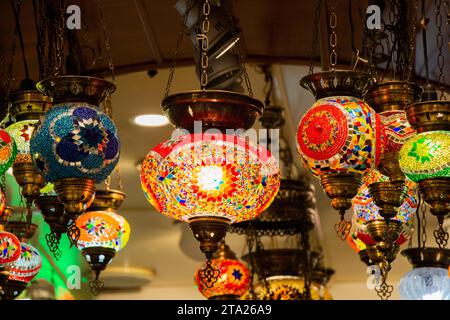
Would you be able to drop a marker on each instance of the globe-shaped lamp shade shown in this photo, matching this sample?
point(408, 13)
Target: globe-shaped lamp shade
point(21, 132)
point(234, 279)
point(366, 210)
point(339, 134)
point(102, 229)
point(75, 141)
point(9, 248)
point(210, 175)
point(396, 129)
point(426, 156)
point(8, 151)
point(27, 266)
point(427, 283)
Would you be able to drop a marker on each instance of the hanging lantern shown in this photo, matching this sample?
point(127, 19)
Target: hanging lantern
point(339, 136)
point(22, 271)
point(428, 280)
point(76, 145)
point(389, 100)
point(233, 281)
point(209, 181)
point(423, 158)
point(9, 253)
point(103, 233)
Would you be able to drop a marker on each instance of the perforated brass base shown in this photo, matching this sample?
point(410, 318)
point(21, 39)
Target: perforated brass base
point(381, 253)
point(75, 194)
point(98, 257)
point(209, 231)
point(107, 200)
point(28, 105)
point(12, 289)
point(429, 115)
point(29, 179)
point(379, 231)
point(22, 229)
point(428, 257)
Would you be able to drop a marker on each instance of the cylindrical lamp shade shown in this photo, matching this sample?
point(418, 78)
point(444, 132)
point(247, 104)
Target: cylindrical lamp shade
point(21, 132)
point(426, 283)
point(27, 266)
point(339, 134)
point(234, 279)
point(102, 229)
point(220, 175)
point(9, 248)
point(75, 140)
point(8, 151)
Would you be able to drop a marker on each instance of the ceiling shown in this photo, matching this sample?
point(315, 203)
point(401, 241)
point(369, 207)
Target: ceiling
point(143, 36)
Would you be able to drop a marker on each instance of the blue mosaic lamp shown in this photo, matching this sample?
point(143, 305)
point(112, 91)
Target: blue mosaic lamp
point(75, 145)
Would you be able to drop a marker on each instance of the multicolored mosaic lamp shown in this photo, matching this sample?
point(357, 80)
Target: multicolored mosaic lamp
point(9, 253)
point(210, 180)
point(234, 278)
point(22, 271)
point(8, 151)
point(76, 145)
point(27, 107)
point(339, 136)
point(103, 233)
point(424, 158)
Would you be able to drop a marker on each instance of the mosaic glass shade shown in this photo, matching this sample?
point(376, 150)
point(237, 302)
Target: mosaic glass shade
point(27, 266)
point(9, 248)
point(426, 156)
point(21, 133)
point(365, 209)
point(290, 288)
point(75, 141)
point(355, 243)
point(8, 151)
point(2, 203)
point(425, 283)
point(339, 134)
point(396, 129)
point(210, 175)
point(49, 189)
point(103, 229)
point(233, 280)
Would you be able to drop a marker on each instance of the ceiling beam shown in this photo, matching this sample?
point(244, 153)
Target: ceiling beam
point(148, 30)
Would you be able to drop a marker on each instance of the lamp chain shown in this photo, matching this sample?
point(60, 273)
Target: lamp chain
point(250, 242)
point(306, 264)
point(423, 231)
point(107, 39)
point(315, 36)
point(41, 25)
point(333, 37)
point(10, 77)
point(203, 37)
point(60, 39)
point(440, 43)
point(177, 49)
point(412, 40)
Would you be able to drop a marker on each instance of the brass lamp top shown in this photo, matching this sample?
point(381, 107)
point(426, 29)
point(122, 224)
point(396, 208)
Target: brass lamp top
point(428, 257)
point(107, 200)
point(28, 105)
point(73, 88)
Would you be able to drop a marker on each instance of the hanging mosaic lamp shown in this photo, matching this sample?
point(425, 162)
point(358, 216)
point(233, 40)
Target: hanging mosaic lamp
point(389, 100)
point(234, 278)
point(22, 271)
point(428, 280)
point(424, 158)
point(76, 145)
point(339, 136)
point(103, 233)
point(210, 181)
point(9, 253)
point(27, 107)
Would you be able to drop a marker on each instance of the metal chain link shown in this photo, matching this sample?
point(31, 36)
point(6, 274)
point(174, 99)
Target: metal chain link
point(203, 37)
point(423, 208)
point(107, 39)
point(10, 77)
point(177, 49)
point(315, 36)
point(333, 36)
point(440, 44)
point(60, 39)
point(412, 40)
